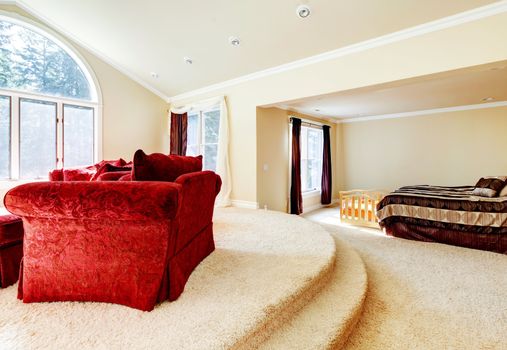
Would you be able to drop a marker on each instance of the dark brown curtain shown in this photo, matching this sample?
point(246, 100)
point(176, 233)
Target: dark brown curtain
point(296, 200)
point(326, 184)
point(179, 134)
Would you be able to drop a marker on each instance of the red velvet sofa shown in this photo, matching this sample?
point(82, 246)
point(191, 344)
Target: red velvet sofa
point(133, 243)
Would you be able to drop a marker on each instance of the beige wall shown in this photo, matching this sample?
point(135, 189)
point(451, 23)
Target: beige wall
point(132, 116)
point(465, 45)
point(453, 149)
point(273, 151)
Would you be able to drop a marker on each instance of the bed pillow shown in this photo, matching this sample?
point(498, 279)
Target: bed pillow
point(159, 167)
point(503, 192)
point(489, 186)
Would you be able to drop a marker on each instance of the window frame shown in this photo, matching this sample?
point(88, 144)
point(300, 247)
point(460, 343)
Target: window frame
point(319, 188)
point(201, 129)
point(15, 95)
point(15, 126)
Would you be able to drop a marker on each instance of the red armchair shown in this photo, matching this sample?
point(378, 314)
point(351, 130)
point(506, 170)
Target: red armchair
point(133, 243)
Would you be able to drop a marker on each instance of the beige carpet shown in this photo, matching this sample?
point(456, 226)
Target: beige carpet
point(327, 321)
point(424, 295)
point(264, 261)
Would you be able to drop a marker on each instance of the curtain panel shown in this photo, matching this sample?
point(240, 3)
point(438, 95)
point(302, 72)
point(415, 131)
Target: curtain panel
point(326, 184)
point(178, 134)
point(223, 166)
point(296, 198)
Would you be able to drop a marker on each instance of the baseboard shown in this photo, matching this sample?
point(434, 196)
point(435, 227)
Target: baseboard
point(319, 206)
point(244, 204)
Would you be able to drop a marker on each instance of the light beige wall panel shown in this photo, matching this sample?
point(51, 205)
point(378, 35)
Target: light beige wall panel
point(272, 152)
point(448, 149)
point(132, 116)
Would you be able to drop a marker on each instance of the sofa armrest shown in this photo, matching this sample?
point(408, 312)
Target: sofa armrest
point(95, 200)
point(199, 191)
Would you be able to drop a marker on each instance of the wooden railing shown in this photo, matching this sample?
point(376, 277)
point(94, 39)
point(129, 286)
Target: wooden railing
point(359, 207)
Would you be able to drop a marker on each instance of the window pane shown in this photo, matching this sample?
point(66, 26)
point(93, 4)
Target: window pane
point(311, 158)
point(211, 125)
point(210, 157)
point(37, 138)
point(77, 136)
point(193, 150)
point(192, 131)
point(32, 62)
point(5, 136)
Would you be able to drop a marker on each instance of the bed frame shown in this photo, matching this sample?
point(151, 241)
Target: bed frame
point(359, 207)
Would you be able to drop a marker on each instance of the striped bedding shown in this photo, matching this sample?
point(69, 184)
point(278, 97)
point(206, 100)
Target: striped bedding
point(447, 215)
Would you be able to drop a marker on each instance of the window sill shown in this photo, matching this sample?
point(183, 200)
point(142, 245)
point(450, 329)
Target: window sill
point(312, 193)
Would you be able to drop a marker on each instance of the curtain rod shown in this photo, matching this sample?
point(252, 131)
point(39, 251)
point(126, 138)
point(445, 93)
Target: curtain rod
point(307, 122)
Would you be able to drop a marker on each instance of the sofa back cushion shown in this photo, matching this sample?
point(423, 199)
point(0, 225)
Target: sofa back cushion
point(109, 168)
point(78, 174)
point(159, 167)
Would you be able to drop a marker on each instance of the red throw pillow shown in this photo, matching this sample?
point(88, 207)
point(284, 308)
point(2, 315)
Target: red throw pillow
point(159, 167)
point(82, 174)
point(117, 162)
point(109, 168)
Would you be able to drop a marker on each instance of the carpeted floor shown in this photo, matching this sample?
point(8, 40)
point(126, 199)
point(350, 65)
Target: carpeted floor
point(264, 262)
point(424, 295)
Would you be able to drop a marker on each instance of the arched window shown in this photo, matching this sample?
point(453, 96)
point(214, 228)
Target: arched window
point(48, 104)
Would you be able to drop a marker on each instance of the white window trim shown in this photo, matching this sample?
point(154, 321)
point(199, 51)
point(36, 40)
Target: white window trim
point(16, 97)
point(201, 128)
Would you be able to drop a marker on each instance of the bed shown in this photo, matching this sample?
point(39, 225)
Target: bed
point(450, 215)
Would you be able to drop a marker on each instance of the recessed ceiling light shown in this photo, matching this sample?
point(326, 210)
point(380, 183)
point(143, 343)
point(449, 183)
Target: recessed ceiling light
point(234, 41)
point(187, 60)
point(488, 99)
point(154, 75)
point(303, 11)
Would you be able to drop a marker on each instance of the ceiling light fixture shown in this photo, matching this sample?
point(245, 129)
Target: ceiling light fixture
point(303, 11)
point(488, 99)
point(234, 41)
point(187, 60)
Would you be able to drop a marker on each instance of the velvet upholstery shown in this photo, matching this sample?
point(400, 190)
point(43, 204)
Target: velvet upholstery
point(160, 167)
point(126, 242)
point(87, 173)
point(83, 174)
point(11, 249)
point(114, 176)
point(109, 168)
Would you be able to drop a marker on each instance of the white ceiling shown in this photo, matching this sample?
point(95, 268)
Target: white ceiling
point(147, 36)
point(461, 87)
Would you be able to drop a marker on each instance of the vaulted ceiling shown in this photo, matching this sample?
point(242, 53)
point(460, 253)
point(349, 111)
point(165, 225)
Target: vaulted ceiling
point(153, 36)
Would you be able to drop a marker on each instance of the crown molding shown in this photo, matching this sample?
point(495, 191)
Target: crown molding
point(52, 25)
point(429, 27)
point(425, 112)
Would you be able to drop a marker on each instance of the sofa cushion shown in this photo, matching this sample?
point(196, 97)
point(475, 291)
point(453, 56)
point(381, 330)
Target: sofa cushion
point(113, 175)
point(80, 174)
point(159, 167)
point(116, 162)
point(109, 168)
